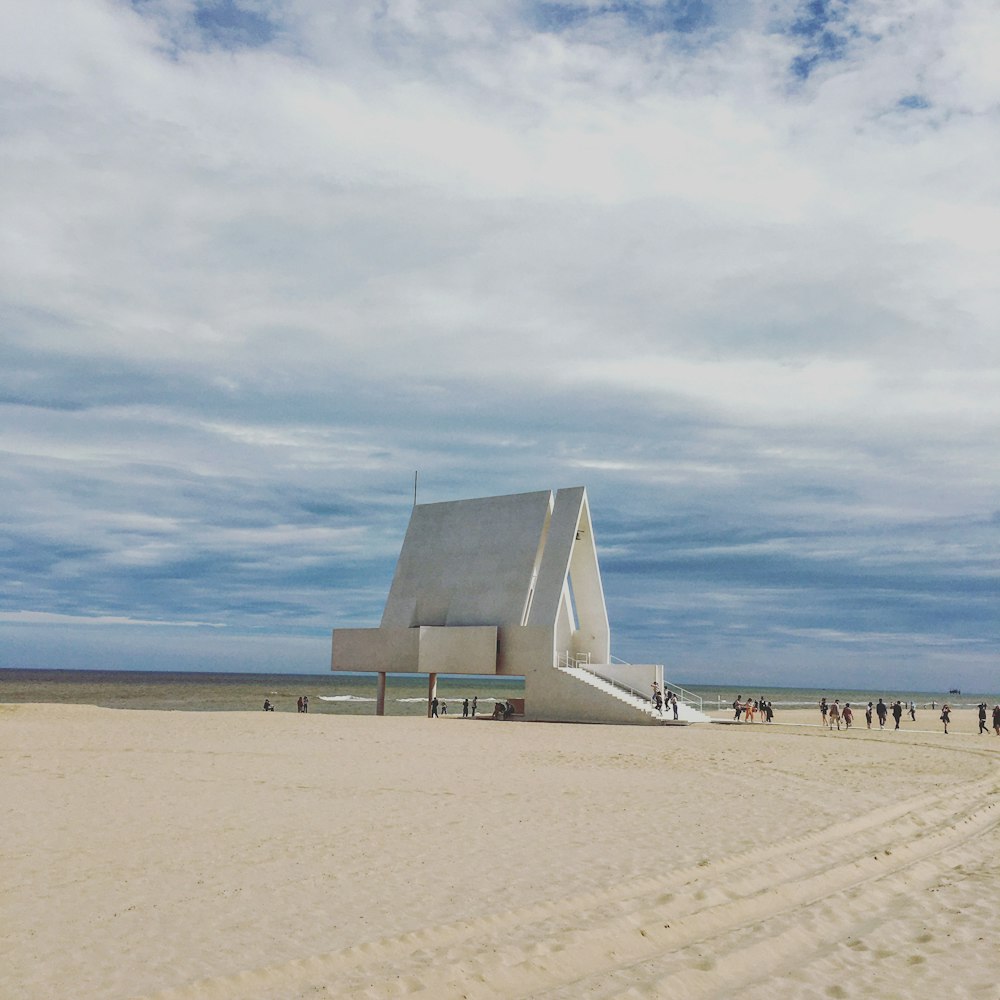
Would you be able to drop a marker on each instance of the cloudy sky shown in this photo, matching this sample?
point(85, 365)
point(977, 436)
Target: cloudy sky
point(730, 264)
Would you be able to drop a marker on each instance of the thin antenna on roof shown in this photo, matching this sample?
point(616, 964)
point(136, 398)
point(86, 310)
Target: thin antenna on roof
point(414, 489)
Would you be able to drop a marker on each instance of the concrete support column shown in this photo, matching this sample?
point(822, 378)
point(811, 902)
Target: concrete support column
point(380, 694)
point(432, 690)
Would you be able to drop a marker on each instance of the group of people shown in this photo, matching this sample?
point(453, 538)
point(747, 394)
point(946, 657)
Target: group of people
point(982, 719)
point(302, 705)
point(751, 709)
point(439, 708)
point(501, 710)
point(833, 715)
point(665, 699)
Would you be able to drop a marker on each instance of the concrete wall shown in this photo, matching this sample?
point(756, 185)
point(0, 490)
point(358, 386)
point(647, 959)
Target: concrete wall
point(552, 696)
point(416, 650)
point(392, 649)
point(638, 676)
point(468, 562)
point(593, 635)
point(471, 650)
point(527, 649)
point(569, 561)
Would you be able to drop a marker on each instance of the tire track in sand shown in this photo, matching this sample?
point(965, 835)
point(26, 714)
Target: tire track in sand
point(655, 932)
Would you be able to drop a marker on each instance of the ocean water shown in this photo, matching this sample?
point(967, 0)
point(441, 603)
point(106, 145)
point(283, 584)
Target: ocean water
point(331, 694)
point(347, 694)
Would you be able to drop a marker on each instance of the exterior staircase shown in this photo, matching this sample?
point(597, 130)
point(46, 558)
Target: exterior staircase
point(686, 713)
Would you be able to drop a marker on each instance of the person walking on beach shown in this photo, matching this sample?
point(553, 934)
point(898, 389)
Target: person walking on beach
point(945, 716)
point(913, 712)
point(434, 707)
point(737, 708)
point(848, 715)
point(868, 715)
point(897, 711)
point(465, 709)
point(881, 710)
point(823, 709)
point(475, 704)
point(305, 703)
point(835, 713)
point(996, 719)
point(298, 704)
point(982, 718)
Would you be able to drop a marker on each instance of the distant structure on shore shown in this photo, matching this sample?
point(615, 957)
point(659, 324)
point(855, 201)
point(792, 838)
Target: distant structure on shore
point(507, 585)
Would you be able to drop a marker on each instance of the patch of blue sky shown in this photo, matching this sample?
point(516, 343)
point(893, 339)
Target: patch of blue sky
point(821, 25)
point(671, 16)
point(913, 102)
point(233, 25)
point(815, 18)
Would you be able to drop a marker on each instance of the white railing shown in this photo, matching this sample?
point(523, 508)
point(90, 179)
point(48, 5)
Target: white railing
point(683, 695)
point(607, 680)
point(583, 661)
point(688, 697)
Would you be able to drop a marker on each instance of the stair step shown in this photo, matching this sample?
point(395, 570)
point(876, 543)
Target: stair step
point(635, 701)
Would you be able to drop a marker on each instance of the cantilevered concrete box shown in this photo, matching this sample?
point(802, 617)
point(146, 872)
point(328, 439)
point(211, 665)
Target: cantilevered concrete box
point(419, 650)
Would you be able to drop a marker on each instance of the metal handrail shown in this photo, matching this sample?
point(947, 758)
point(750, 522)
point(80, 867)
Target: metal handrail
point(688, 697)
point(567, 659)
point(607, 680)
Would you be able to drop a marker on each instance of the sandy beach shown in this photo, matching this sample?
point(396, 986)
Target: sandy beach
point(253, 855)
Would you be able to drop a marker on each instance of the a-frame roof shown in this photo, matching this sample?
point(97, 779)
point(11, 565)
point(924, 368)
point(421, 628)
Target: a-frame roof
point(514, 560)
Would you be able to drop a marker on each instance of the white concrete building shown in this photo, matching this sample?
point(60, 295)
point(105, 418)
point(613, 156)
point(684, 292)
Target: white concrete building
point(506, 585)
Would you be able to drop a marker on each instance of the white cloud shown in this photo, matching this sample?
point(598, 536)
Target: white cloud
point(46, 618)
point(377, 237)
